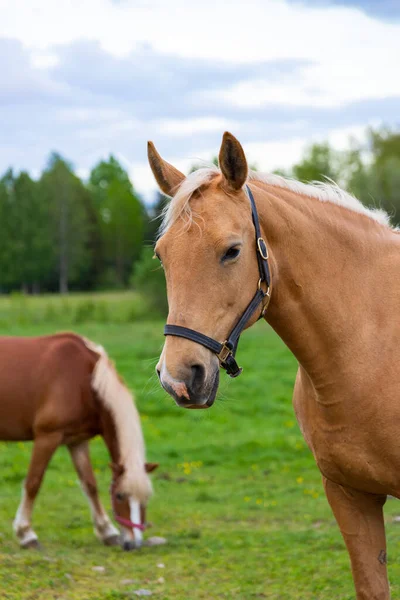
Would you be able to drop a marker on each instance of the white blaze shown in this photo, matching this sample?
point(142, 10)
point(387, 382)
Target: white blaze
point(136, 518)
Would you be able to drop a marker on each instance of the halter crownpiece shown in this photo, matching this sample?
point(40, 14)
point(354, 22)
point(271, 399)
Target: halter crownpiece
point(226, 351)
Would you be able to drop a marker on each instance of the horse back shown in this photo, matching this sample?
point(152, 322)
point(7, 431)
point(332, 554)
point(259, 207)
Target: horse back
point(45, 385)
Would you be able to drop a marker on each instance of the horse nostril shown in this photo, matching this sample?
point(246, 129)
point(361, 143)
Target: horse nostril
point(158, 371)
point(198, 376)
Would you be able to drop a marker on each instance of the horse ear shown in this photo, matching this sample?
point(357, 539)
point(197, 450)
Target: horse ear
point(232, 162)
point(167, 177)
point(150, 467)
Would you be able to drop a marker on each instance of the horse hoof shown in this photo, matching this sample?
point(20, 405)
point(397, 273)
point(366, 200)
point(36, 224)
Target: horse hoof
point(112, 540)
point(32, 544)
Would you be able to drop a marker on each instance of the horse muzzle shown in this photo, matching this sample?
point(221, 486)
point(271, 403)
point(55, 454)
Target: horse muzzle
point(129, 545)
point(193, 391)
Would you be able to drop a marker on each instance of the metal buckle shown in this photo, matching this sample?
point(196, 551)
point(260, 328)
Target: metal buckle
point(267, 292)
point(225, 352)
point(262, 248)
point(264, 310)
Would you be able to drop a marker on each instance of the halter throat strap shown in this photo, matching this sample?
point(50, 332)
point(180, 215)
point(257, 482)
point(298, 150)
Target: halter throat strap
point(226, 351)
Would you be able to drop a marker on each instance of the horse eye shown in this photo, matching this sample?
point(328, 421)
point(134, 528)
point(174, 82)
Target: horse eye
point(120, 497)
point(231, 253)
point(157, 257)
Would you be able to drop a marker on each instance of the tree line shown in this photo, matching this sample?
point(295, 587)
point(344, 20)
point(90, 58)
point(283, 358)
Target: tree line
point(370, 171)
point(59, 233)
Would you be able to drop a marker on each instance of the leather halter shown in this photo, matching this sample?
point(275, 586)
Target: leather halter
point(226, 351)
point(128, 523)
point(121, 520)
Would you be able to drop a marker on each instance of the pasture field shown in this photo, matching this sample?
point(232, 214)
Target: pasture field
point(237, 494)
point(72, 310)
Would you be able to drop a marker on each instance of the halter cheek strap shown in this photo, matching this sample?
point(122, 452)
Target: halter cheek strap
point(226, 351)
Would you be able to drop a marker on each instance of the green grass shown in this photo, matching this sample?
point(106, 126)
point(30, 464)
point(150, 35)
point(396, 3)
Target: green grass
point(237, 494)
point(71, 310)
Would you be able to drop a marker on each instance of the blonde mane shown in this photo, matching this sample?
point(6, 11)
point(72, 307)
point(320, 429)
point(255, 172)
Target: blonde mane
point(179, 206)
point(118, 400)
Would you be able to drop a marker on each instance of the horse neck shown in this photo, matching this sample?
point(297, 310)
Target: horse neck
point(110, 435)
point(124, 440)
point(323, 268)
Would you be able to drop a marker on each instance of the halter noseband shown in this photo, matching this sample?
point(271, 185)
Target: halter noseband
point(227, 350)
point(121, 520)
point(128, 523)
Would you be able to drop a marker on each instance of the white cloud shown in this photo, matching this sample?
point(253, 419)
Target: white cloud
point(342, 59)
point(355, 55)
point(42, 59)
point(318, 87)
point(184, 127)
point(255, 31)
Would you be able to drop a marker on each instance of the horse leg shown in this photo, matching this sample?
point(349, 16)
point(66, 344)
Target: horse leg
point(43, 449)
point(103, 528)
point(360, 519)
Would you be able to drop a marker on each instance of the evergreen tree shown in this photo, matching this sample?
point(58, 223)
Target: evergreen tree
point(121, 217)
point(25, 244)
point(66, 200)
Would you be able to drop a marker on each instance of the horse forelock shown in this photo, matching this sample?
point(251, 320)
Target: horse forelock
point(179, 206)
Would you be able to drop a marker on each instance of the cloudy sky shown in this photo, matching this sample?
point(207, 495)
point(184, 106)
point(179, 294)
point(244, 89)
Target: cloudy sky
point(90, 77)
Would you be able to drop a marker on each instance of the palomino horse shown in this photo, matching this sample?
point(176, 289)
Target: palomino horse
point(328, 283)
point(63, 389)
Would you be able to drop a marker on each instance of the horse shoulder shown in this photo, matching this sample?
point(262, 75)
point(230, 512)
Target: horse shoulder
point(66, 399)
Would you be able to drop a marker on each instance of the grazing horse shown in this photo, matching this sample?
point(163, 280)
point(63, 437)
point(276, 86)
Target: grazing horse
point(323, 270)
point(63, 389)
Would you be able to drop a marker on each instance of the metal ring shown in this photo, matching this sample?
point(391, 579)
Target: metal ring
point(268, 290)
point(264, 249)
point(267, 294)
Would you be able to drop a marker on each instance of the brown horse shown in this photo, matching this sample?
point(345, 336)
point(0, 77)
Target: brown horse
point(63, 389)
point(334, 299)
